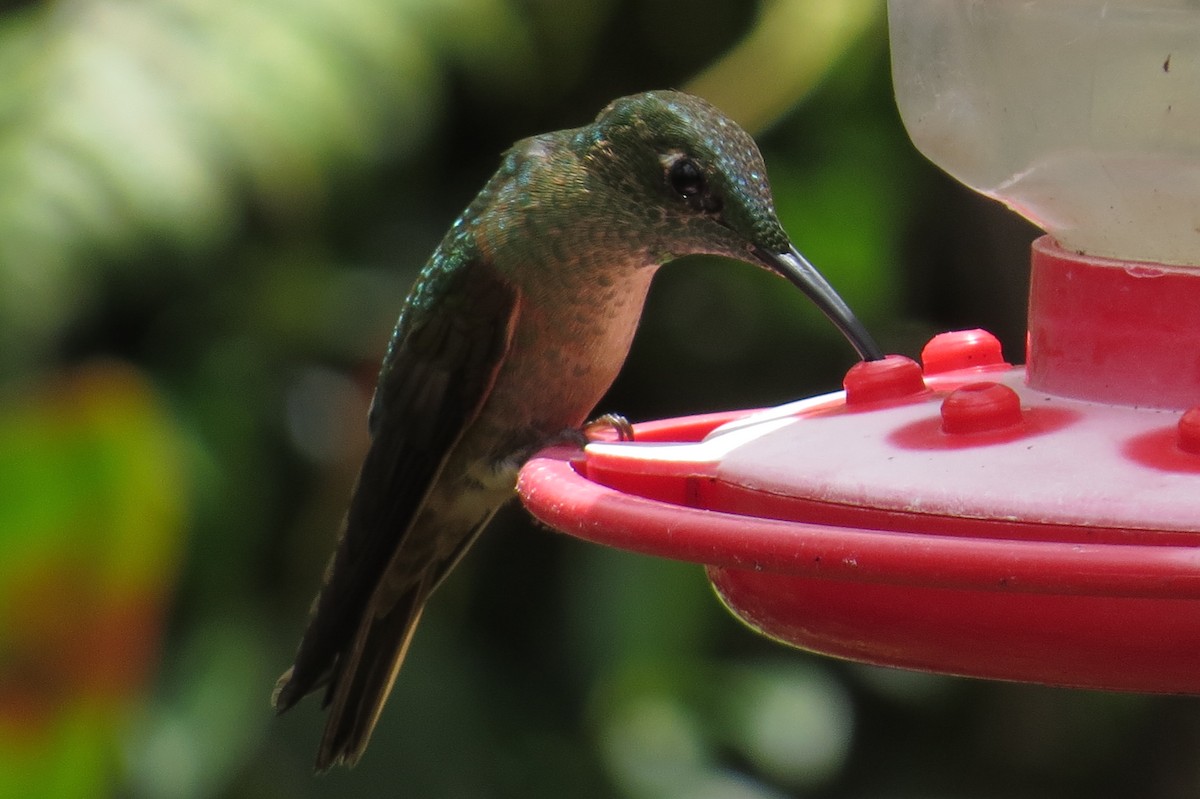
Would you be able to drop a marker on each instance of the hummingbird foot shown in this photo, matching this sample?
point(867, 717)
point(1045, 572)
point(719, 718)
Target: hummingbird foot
point(598, 429)
point(609, 427)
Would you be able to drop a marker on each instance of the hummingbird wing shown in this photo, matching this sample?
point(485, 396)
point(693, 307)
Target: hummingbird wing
point(449, 343)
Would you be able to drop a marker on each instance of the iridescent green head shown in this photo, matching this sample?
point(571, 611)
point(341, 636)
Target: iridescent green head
point(694, 182)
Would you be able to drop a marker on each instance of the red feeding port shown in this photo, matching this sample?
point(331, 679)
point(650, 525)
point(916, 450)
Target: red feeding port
point(1038, 524)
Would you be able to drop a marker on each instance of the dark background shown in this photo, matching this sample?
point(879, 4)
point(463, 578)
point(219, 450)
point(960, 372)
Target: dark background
point(209, 216)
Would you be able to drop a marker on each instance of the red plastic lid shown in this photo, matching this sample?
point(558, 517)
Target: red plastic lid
point(1113, 331)
point(969, 524)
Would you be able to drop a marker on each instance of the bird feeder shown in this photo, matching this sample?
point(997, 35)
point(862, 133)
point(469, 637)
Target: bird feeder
point(963, 515)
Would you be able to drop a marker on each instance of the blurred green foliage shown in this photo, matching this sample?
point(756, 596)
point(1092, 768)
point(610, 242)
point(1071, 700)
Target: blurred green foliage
point(210, 211)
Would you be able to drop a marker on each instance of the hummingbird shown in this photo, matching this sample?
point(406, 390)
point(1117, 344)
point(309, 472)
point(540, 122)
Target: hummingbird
point(513, 331)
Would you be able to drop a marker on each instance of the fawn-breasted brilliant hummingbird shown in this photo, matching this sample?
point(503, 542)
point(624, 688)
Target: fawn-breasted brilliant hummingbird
point(514, 330)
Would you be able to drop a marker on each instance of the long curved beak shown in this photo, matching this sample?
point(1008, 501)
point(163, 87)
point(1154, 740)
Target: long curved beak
point(796, 268)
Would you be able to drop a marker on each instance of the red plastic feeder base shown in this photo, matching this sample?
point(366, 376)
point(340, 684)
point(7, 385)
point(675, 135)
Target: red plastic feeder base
point(952, 518)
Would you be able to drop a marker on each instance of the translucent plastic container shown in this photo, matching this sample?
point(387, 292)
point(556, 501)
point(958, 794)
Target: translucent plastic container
point(1081, 115)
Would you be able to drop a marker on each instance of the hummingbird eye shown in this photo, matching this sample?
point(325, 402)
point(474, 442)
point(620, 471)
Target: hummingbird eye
point(686, 178)
point(688, 181)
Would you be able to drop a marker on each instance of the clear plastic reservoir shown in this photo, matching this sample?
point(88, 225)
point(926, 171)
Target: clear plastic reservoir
point(1081, 115)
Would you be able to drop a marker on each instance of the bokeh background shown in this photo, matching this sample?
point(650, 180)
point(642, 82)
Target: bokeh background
point(210, 212)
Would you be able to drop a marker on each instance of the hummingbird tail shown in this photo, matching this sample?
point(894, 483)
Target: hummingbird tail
point(363, 678)
point(285, 694)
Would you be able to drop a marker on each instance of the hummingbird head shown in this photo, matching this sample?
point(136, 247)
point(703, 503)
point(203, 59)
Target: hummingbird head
point(694, 182)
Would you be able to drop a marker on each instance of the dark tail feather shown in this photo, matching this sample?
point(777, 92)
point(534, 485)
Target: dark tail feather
point(329, 631)
point(287, 691)
point(363, 678)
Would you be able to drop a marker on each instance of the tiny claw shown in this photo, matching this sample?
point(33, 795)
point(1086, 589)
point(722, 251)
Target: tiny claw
point(595, 429)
